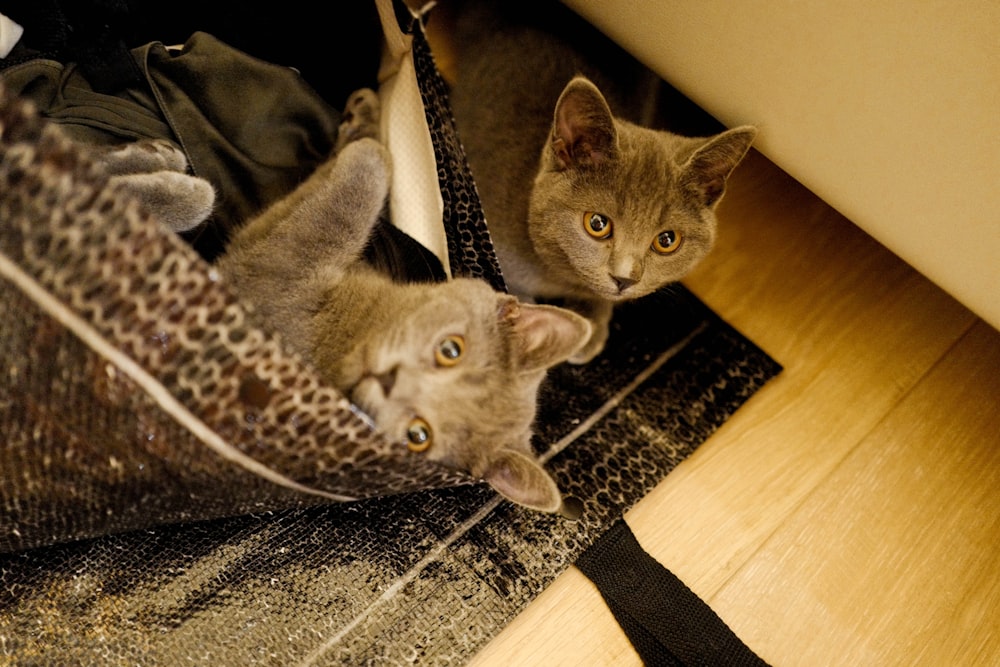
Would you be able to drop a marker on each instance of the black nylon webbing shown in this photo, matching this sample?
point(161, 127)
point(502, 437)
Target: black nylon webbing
point(665, 621)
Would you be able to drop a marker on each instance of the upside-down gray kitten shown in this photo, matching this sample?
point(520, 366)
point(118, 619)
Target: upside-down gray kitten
point(451, 369)
point(583, 206)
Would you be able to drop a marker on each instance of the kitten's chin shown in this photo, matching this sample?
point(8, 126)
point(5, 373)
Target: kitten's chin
point(369, 395)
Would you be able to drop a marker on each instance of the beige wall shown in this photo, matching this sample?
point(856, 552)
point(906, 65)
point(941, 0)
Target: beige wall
point(887, 109)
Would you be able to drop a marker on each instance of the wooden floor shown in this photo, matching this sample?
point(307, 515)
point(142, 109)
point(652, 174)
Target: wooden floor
point(849, 514)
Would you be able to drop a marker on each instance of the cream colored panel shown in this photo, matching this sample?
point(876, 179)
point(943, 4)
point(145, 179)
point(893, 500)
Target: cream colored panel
point(887, 109)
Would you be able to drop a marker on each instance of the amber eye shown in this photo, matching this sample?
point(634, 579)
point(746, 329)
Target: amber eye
point(667, 242)
point(449, 350)
point(418, 435)
point(597, 225)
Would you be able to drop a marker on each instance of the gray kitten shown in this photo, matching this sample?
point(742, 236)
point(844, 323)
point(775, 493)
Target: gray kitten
point(584, 206)
point(450, 370)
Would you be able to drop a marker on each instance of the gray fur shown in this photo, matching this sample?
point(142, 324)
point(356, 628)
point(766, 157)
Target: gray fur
point(299, 264)
point(546, 146)
point(155, 172)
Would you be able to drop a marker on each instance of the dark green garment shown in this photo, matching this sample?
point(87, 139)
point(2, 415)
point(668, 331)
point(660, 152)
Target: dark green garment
point(252, 128)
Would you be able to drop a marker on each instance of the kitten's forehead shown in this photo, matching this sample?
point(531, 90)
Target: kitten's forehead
point(461, 300)
point(649, 159)
point(649, 163)
point(461, 307)
point(645, 185)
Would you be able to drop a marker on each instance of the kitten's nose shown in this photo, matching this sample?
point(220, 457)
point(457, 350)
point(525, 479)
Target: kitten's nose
point(625, 270)
point(387, 380)
point(623, 283)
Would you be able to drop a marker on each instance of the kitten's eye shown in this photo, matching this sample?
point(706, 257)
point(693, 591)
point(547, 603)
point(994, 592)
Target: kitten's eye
point(597, 225)
point(449, 350)
point(667, 242)
point(419, 435)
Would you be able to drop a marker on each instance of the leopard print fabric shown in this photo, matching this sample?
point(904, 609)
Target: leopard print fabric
point(470, 249)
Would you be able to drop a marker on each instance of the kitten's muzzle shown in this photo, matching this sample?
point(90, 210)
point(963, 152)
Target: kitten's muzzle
point(623, 283)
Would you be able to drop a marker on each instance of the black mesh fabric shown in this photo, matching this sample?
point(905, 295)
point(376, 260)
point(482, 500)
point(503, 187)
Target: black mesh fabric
point(470, 249)
point(425, 578)
point(171, 475)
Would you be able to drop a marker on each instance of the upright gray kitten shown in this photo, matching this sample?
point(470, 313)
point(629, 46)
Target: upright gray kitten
point(583, 206)
point(450, 370)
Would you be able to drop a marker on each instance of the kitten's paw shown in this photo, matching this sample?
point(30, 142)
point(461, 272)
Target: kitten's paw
point(143, 156)
point(360, 119)
point(180, 202)
point(365, 157)
point(598, 339)
point(355, 187)
point(598, 312)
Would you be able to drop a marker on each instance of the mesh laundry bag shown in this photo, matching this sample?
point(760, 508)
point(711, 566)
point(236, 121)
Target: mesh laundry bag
point(141, 406)
point(136, 390)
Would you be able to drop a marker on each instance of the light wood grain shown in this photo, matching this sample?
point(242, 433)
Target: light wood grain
point(854, 327)
point(859, 333)
point(893, 559)
point(849, 513)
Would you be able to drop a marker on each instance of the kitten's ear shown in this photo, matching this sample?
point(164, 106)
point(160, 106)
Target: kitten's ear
point(583, 132)
point(542, 336)
point(707, 170)
point(523, 480)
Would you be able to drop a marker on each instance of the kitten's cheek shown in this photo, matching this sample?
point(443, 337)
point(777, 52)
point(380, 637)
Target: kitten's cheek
point(367, 395)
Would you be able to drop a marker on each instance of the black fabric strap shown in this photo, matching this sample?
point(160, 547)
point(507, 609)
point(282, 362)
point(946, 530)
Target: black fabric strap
point(665, 621)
